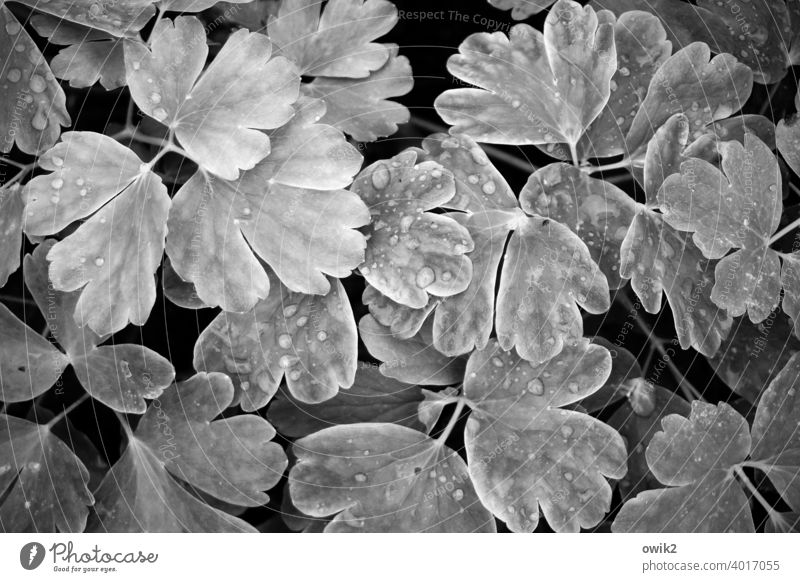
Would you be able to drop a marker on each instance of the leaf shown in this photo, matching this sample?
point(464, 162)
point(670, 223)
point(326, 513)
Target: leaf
point(790, 277)
point(597, 211)
point(694, 457)
point(410, 252)
point(217, 126)
point(180, 292)
point(753, 354)
point(63, 32)
point(403, 322)
point(642, 48)
point(479, 186)
point(335, 41)
point(525, 451)
point(372, 398)
point(12, 208)
point(413, 361)
point(114, 254)
point(664, 155)
point(311, 339)
point(32, 461)
point(522, 9)
point(85, 64)
point(692, 83)
point(776, 440)
point(740, 209)
point(464, 322)
point(120, 376)
point(625, 372)
point(377, 477)
point(757, 32)
point(547, 273)
point(638, 424)
point(33, 106)
point(657, 258)
point(787, 135)
point(533, 87)
point(118, 18)
point(231, 459)
point(218, 230)
point(361, 107)
point(196, 5)
point(29, 364)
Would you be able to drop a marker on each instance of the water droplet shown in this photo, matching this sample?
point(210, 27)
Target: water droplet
point(137, 65)
point(294, 375)
point(497, 362)
point(37, 84)
point(125, 369)
point(473, 179)
point(624, 71)
point(289, 310)
point(14, 75)
point(155, 97)
point(39, 121)
point(99, 261)
point(489, 187)
point(568, 476)
point(55, 198)
point(425, 277)
point(57, 183)
point(13, 27)
point(301, 321)
point(405, 223)
point(57, 162)
point(566, 431)
point(536, 387)
point(288, 361)
point(458, 495)
point(322, 336)
point(82, 192)
point(360, 477)
point(572, 387)
point(447, 276)
point(381, 177)
point(79, 182)
point(285, 341)
point(160, 113)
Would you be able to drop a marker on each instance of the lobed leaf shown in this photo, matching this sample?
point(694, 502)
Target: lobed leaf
point(413, 361)
point(334, 41)
point(118, 18)
point(525, 451)
point(361, 107)
point(533, 87)
point(657, 258)
point(597, 211)
point(216, 116)
point(32, 461)
point(377, 477)
point(522, 9)
point(625, 374)
point(738, 209)
point(547, 273)
point(411, 252)
point(32, 103)
point(85, 64)
point(311, 339)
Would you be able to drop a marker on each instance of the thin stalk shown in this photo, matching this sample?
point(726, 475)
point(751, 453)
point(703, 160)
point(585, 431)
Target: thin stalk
point(12, 163)
point(624, 163)
point(573, 151)
point(739, 470)
point(452, 423)
point(782, 232)
point(57, 418)
point(688, 389)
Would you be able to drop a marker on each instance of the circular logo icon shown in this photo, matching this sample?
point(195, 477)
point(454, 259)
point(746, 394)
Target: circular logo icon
point(31, 555)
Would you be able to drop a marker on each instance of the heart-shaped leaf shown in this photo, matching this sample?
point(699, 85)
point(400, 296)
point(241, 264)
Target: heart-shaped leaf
point(525, 451)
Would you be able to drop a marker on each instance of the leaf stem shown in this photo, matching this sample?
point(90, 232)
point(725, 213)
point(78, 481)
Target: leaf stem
point(442, 438)
point(57, 418)
point(739, 470)
point(688, 389)
point(573, 151)
point(12, 163)
point(624, 163)
point(782, 232)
